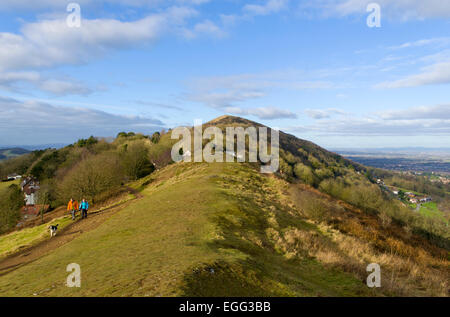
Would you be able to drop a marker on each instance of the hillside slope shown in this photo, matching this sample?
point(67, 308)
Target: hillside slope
point(225, 229)
point(222, 230)
point(162, 245)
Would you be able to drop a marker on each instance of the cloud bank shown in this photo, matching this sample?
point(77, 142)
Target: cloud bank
point(33, 122)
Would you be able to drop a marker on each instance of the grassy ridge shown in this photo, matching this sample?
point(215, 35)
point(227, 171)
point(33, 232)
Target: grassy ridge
point(191, 220)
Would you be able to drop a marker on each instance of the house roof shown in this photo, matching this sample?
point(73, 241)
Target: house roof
point(30, 189)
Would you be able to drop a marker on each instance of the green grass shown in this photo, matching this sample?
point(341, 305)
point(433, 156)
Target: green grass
point(4, 185)
point(202, 217)
point(430, 209)
point(27, 237)
point(411, 205)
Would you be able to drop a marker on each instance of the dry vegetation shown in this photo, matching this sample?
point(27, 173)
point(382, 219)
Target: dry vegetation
point(412, 266)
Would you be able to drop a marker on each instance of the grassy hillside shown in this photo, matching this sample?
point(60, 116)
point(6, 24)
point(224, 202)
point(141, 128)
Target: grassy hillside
point(222, 230)
point(4, 185)
point(225, 229)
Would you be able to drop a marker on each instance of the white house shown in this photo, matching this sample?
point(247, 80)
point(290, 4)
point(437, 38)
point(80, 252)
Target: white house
point(31, 197)
point(14, 176)
point(30, 188)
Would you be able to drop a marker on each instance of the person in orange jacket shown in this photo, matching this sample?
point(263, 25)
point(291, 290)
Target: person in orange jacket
point(72, 206)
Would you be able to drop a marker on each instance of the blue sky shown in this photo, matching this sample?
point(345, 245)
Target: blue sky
point(314, 69)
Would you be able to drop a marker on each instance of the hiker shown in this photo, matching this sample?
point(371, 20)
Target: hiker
point(84, 207)
point(72, 206)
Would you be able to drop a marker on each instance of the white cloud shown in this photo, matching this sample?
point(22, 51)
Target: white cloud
point(436, 42)
point(61, 87)
point(224, 99)
point(416, 121)
point(15, 81)
point(323, 114)
point(249, 11)
point(47, 44)
point(51, 43)
point(230, 93)
point(440, 112)
point(438, 73)
point(27, 5)
point(398, 9)
point(263, 113)
point(271, 6)
point(206, 27)
point(158, 105)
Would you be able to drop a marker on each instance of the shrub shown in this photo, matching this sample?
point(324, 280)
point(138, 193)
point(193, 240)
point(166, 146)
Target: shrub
point(11, 200)
point(91, 177)
point(135, 160)
point(305, 174)
point(155, 137)
point(87, 142)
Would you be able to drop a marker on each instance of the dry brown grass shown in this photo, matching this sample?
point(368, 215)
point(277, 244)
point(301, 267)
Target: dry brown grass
point(350, 239)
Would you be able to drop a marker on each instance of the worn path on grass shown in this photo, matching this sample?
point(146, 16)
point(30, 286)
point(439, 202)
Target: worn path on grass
point(62, 237)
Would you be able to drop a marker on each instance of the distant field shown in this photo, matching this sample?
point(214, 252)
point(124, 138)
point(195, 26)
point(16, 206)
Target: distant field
point(431, 209)
point(403, 164)
point(7, 184)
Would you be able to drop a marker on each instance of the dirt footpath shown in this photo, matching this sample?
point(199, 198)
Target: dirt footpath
point(62, 237)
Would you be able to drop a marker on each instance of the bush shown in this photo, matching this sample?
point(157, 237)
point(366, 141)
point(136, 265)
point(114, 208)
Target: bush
point(11, 200)
point(305, 174)
point(155, 137)
point(92, 177)
point(87, 142)
point(135, 160)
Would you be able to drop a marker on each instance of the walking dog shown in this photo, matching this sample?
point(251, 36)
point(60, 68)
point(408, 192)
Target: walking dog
point(53, 230)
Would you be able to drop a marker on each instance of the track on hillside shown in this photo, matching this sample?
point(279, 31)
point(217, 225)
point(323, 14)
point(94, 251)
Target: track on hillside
point(62, 237)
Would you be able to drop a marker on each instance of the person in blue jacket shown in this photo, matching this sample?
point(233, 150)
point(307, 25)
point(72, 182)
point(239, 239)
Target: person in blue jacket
point(84, 207)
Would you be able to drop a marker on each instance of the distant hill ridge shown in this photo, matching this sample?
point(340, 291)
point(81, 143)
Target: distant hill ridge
point(7, 153)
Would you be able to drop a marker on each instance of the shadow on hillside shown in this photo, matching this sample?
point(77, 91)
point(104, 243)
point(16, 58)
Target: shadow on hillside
point(259, 268)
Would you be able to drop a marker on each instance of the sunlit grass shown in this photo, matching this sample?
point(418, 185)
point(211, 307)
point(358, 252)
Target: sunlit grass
point(17, 240)
point(192, 217)
point(4, 185)
point(430, 209)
